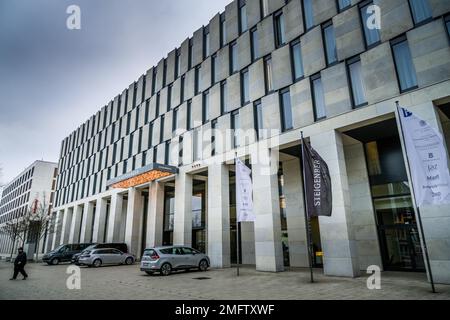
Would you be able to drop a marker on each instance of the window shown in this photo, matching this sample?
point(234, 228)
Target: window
point(206, 44)
point(297, 60)
point(223, 30)
point(357, 83)
point(177, 63)
point(235, 126)
point(447, 24)
point(213, 137)
point(158, 97)
point(308, 12)
point(421, 10)
point(206, 107)
point(286, 110)
point(258, 114)
point(183, 78)
point(330, 42)
point(372, 36)
point(167, 153)
point(180, 151)
point(255, 44)
point(264, 7)
point(243, 17)
point(268, 74)
point(344, 4)
point(169, 97)
point(155, 154)
point(189, 124)
point(191, 54)
point(150, 136)
point(404, 65)
point(175, 120)
point(280, 31)
point(245, 87)
point(233, 57)
point(161, 130)
point(197, 79)
point(224, 97)
point(197, 149)
point(319, 98)
point(214, 68)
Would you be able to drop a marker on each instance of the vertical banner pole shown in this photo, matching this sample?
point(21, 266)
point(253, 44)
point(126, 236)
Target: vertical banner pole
point(307, 217)
point(419, 218)
point(238, 227)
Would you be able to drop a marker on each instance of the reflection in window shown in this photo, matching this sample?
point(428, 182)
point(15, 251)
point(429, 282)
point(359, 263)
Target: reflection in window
point(421, 10)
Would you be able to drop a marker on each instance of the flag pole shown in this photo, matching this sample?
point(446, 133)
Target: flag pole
point(419, 218)
point(238, 224)
point(307, 217)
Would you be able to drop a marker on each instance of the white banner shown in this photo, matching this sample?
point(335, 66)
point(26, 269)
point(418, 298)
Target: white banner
point(244, 193)
point(428, 160)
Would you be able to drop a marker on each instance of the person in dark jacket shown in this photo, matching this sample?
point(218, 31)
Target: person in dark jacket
point(19, 265)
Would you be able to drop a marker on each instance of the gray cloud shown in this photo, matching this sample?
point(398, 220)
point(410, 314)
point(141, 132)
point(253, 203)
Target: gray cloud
point(52, 79)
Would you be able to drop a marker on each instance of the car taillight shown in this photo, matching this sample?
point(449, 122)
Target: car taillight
point(154, 257)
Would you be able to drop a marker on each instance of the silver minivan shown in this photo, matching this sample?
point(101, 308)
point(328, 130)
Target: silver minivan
point(167, 259)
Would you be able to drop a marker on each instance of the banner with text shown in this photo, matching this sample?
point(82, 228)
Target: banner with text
point(427, 159)
point(317, 183)
point(244, 193)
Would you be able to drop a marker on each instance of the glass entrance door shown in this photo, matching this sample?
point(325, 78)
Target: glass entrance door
point(398, 233)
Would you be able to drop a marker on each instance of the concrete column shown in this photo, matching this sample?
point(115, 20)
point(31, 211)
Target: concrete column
point(336, 233)
point(58, 228)
point(86, 226)
point(182, 233)
point(266, 202)
point(66, 223)
point(134, 221)
point(100, 221)
point(219, 216)
point(155, 215)
point(295, 213)
point(76, 224)
point(362, 211)
point(436, 219)
point(115, 218)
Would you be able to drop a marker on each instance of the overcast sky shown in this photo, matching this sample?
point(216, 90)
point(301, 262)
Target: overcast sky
point(52, 79)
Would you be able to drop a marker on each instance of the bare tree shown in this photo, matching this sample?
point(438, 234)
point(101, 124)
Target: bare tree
point(39, 221)
point(16, 230)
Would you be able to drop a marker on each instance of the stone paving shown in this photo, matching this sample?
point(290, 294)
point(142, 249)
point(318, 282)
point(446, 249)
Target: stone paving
point(127, 282)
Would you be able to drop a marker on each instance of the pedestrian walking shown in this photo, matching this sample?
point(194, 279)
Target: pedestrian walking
point(19, 265)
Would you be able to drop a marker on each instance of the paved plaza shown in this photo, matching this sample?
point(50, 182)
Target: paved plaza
point(127, 282)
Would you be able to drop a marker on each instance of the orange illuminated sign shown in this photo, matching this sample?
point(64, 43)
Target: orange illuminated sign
point(141, 176)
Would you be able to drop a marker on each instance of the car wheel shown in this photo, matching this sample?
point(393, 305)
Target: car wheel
point(129, 261)
point(166, 269)
point(55, 261)
point(203, 265)
point(97, 263)
point(149, 273)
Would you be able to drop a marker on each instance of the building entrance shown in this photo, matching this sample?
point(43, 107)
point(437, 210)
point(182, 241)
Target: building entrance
point(391, 195)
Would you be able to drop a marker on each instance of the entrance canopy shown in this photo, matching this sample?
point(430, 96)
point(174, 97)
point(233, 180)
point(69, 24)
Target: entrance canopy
point(141, 176)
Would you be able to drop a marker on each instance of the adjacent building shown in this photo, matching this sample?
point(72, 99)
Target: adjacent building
point(35, 183)
point(155, 165)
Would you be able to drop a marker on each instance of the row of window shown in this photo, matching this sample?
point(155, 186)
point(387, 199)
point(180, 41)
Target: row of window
point(23, 200)
point(19, 191)
point(19, 212)
point(18, 181)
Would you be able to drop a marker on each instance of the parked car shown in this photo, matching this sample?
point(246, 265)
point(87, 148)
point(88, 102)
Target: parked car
point(64, 253)
point(119, 246)
point(168, 259)
point(108, 256)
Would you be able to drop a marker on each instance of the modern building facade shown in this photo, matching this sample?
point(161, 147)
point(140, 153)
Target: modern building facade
point(271, 69)
point(36, 182)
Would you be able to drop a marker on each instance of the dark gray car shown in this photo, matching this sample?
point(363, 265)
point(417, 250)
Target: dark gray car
point(167, 259)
